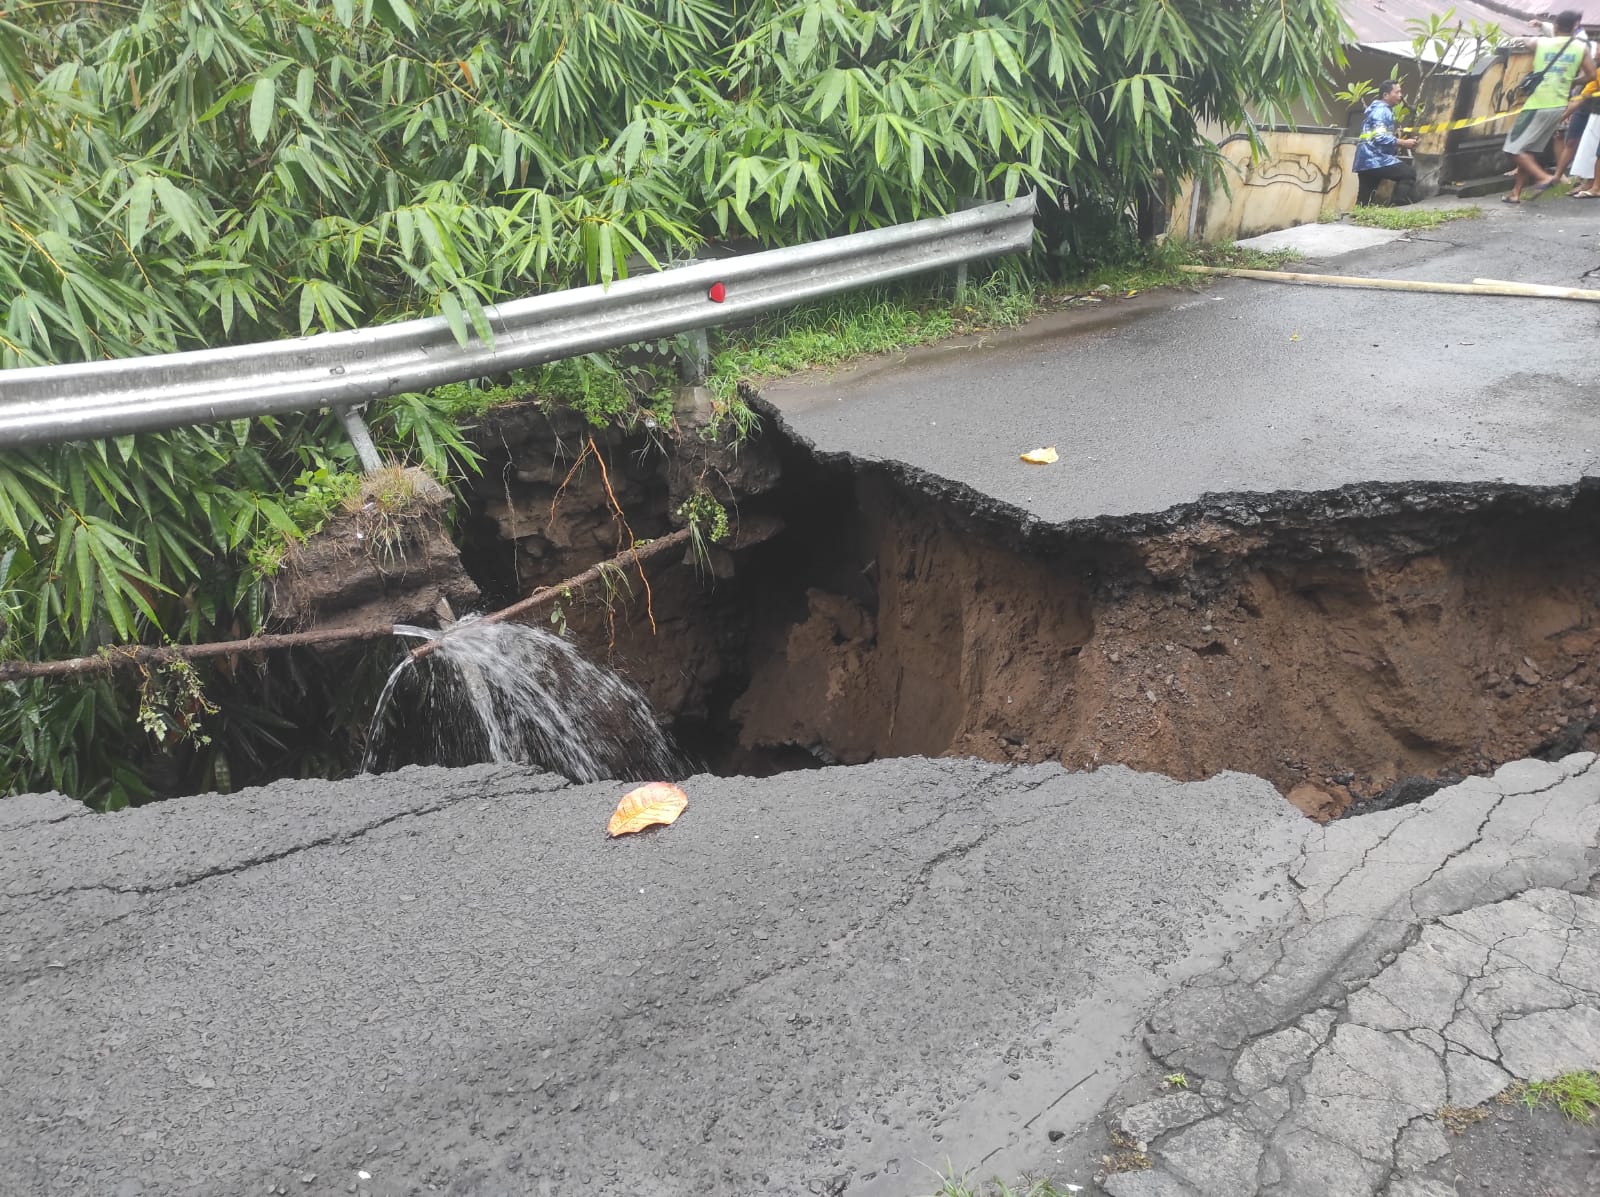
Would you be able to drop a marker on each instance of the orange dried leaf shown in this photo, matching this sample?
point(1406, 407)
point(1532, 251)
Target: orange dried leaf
point(1040, 456)
point(658, 802)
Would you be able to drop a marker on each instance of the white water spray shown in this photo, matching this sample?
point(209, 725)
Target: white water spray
point(507, 692)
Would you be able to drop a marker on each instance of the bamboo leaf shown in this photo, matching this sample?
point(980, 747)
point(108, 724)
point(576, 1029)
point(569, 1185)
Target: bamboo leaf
point(140, 200)
point(262, 101)
point(396, 15)
point(110, 584)
point(278, 518)
point(455, 317)
point(179, 208)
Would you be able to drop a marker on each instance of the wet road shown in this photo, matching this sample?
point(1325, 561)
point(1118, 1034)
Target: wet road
point(450, 981)
point(1255, 387)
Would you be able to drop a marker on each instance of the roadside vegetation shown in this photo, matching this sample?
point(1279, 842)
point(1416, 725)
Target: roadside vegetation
point(188, 173)
point(886, 320)
point(1037, 1188)
point(1406, 220)
point(1577, 1095)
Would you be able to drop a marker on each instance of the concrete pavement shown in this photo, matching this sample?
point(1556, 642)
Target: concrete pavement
point(1437, 953)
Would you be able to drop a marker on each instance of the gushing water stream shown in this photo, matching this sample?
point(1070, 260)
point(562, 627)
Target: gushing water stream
point(512, 693)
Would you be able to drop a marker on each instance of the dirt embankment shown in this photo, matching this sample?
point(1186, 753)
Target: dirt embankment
point(1334, 659)
point(385, 557)
point(1342, 646)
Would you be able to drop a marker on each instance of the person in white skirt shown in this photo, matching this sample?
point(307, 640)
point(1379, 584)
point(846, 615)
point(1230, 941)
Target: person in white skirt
point(1583, 161)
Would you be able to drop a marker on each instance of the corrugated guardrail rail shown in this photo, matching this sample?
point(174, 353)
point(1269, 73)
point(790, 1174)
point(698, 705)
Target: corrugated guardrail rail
point(112, 398)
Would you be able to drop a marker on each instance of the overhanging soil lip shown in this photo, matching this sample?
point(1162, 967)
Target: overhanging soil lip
point(1356, 647)
point(1240, 508)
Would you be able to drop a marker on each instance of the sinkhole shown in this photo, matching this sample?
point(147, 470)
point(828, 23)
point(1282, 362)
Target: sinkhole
point(1357, 648)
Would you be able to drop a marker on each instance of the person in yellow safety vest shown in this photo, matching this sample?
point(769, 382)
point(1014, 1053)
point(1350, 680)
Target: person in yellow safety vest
point(1557, 62)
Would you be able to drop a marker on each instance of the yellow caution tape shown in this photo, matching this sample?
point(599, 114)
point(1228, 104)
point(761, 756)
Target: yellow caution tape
point(1467, 123)
point(1450, 126)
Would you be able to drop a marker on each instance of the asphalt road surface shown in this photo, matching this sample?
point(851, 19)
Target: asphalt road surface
point(1254, 387)
point(453, 982)
point(845, 981)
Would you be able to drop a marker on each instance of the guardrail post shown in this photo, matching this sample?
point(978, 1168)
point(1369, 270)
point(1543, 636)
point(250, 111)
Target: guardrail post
point(356, 429)
point(694, 357)
point(692, 403)
point(965, 204)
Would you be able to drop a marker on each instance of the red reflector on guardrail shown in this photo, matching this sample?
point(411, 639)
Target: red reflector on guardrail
point(717, 293)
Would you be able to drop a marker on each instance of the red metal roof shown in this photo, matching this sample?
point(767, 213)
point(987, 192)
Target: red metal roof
point(1385, 20)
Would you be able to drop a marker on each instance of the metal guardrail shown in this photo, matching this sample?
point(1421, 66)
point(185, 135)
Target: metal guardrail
point(39, 404)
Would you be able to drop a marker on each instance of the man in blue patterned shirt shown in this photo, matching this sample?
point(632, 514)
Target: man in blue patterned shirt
point(1376, 159)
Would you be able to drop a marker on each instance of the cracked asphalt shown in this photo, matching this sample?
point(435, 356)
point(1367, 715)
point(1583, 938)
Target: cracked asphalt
point(451, 981)
point(1435, 955)
point(852, 981)
point(842, 981)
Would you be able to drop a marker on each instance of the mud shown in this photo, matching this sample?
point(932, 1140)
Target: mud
point(1357, 648)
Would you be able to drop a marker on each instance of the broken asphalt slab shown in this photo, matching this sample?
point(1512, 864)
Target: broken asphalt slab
point(1242, 387)
point(452, 982)
point(1435, 955)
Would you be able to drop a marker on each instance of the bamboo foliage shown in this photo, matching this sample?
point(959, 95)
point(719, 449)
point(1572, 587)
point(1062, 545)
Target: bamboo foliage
point(185, 173)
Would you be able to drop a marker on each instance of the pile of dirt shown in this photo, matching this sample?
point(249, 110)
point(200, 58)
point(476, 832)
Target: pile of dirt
point(385, 557)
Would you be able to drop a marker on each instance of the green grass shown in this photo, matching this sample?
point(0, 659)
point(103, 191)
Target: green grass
point(1159, 267)
point(1406, 220)
point(1577, 1095)
point(1039, 1188)
point(878, 320)
point(595, 385)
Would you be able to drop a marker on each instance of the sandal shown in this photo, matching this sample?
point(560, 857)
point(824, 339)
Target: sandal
point(1509, 199)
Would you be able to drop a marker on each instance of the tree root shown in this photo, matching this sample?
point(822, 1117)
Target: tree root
point(636, 556)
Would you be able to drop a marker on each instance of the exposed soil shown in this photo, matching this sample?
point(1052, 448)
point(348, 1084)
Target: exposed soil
point(388, 557)
point(1518, 1152)
point(1359, 647)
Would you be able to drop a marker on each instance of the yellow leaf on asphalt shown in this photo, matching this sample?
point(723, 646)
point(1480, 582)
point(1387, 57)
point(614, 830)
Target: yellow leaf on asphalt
point(658, 802)
point(1040, 456)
